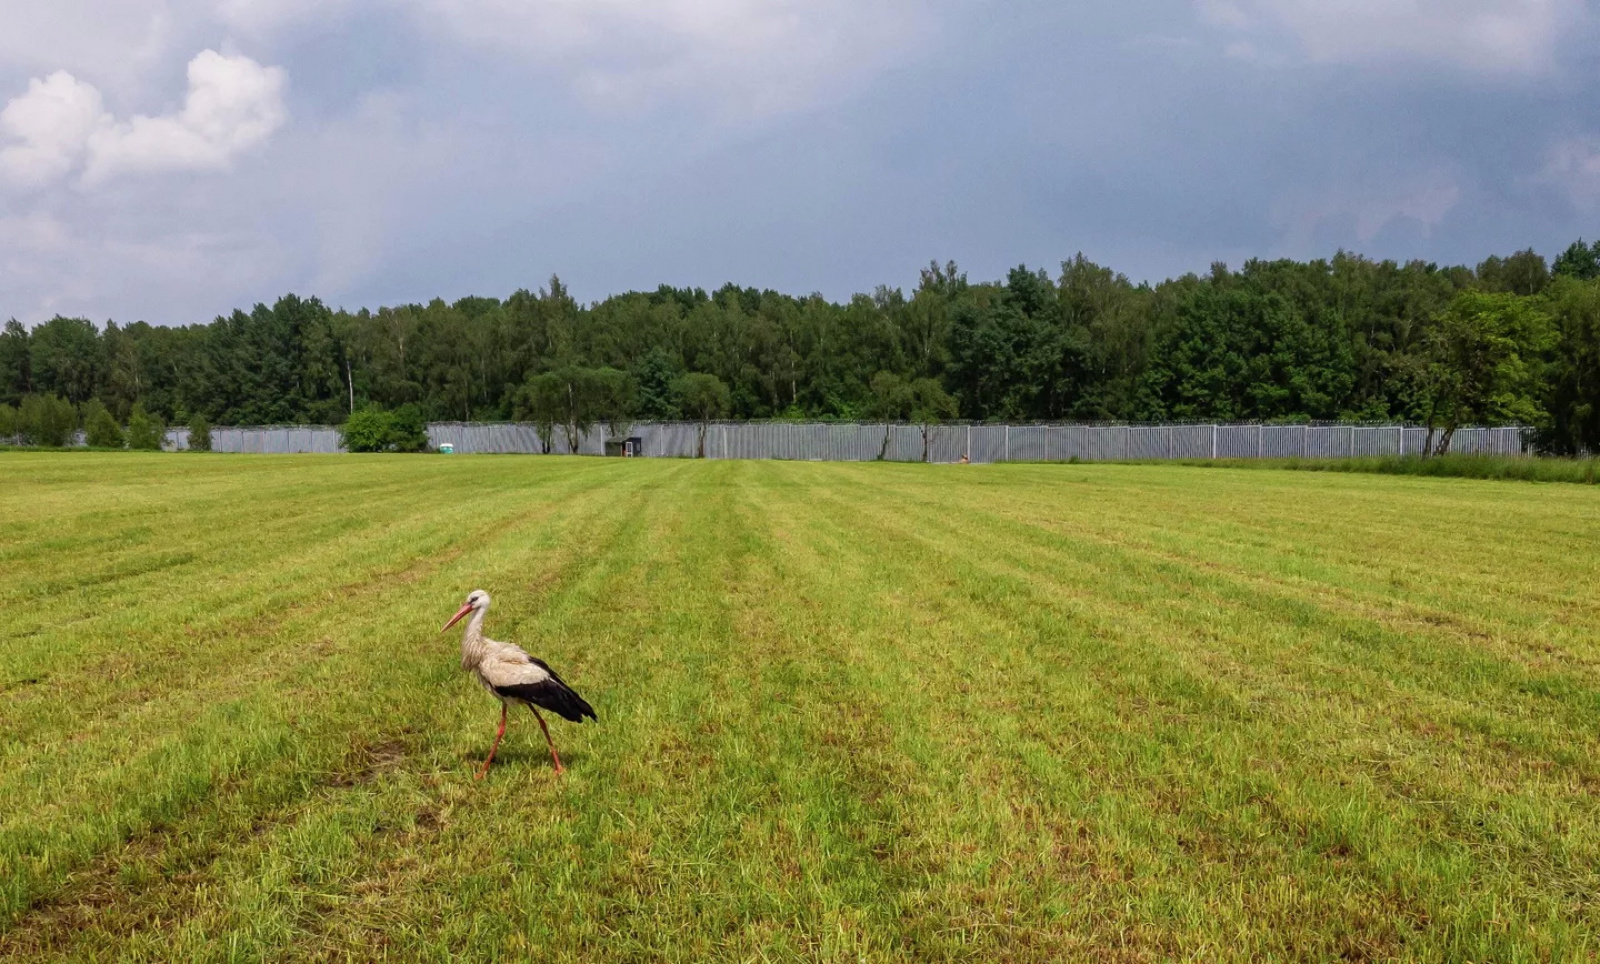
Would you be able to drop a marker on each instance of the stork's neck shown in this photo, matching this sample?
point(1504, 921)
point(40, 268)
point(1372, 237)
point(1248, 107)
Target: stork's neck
point(472, 643)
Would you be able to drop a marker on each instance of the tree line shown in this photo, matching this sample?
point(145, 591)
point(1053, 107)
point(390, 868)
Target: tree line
point(1514, 340)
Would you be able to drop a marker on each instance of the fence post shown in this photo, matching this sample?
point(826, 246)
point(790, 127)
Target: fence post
point(1169, 441)
point(1213, 440)
point(969, 443)
point(1401, 448)
point(1305, 440)
point(1007, 456)
point(1260, 431)
point(1352, 453)
point(1047, 443)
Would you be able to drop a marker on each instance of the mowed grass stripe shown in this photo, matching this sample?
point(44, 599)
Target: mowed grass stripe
point(883, 712)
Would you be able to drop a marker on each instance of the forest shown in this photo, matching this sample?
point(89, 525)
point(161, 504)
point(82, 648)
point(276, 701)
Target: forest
point(1515, 340)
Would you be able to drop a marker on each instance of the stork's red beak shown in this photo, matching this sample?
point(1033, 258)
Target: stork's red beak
point(457, 617)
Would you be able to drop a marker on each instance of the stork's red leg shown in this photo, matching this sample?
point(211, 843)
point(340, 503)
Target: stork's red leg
point(553, 754)
point(497, 736)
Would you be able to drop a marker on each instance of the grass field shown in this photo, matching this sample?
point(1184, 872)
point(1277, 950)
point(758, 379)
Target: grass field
point(847, 712)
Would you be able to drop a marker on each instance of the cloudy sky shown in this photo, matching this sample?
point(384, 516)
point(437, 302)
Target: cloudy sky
point(170, 161)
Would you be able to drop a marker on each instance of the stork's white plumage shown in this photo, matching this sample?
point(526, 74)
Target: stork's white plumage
point(514, 677)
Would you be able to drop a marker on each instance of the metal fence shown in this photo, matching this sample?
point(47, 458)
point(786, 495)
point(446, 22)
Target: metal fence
point(265, 439)
point(857, 442)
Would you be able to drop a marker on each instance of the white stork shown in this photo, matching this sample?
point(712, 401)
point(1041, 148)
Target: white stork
point(514, 677)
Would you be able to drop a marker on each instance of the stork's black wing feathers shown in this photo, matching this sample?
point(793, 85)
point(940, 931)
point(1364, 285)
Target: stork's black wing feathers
point(553, 694)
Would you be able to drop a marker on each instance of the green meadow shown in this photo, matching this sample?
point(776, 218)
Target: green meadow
point(848, 712)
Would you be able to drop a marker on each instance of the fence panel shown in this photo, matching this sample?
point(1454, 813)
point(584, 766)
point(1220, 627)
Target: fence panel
point(946, 443)
point(1377, 440)
point(670, 439)
point(1106, 442)
point(1282, 441)
point(1488, 441)
point(273, 439)
point(1191, 441)
point(1326, 442)
point(1236, 442)
point(989, 443)
point(486, 439)
point(1025, 443)
point(1149, 442)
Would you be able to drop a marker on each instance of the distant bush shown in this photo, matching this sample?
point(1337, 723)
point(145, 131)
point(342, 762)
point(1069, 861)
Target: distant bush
point(366, 430)
point(375, 430)
point(408, 432)
point(8, 423)
point(1516, 468)
point(100, 428)
point(46, 420)
point(199, 434)
point(145, 431)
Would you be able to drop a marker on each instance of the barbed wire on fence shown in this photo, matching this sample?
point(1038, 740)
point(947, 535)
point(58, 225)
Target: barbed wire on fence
point(895, 442)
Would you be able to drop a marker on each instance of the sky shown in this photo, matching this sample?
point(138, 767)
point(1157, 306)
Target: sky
point(172, 161)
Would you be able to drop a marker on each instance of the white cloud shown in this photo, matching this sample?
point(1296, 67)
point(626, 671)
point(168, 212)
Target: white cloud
point(1500, 36)
point(233, 105)
point(51, 124)
point(1573, 167)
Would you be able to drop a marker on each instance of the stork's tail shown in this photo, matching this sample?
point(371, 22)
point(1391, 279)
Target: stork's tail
point(569, 705)
point(553, 695)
